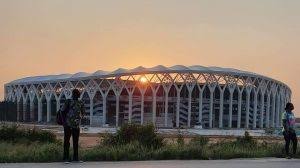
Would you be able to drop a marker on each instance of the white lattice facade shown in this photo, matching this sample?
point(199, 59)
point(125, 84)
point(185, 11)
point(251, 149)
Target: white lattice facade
point(170, 97)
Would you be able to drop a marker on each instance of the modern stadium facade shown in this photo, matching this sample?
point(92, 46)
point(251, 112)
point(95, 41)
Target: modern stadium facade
point(170, 97)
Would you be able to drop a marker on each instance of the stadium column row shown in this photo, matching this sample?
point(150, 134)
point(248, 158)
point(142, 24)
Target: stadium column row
point(275, 107)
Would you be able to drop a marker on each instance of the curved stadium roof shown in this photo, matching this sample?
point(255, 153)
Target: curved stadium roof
point(139, 70)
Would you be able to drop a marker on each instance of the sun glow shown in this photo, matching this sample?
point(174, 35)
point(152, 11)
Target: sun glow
point(143, 79)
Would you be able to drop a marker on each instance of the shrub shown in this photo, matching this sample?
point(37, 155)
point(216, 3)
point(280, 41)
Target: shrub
point(145, 135)
point(199, 141)
point(10, 133)
point(108, 139)
point(41, 136)
point(15, 134)
point(246, 140)
point(180, 139)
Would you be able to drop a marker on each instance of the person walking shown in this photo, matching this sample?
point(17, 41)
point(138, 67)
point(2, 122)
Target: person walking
point(73, 111)
point(289, 133)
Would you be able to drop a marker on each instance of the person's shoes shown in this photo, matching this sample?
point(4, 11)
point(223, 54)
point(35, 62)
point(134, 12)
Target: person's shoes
point(293, 156)
point(67, 161)
point(77, 161)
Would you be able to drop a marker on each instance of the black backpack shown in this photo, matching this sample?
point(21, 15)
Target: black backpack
point(61, 114)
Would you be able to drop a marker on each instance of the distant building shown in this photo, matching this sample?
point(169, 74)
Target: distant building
point(170, 97)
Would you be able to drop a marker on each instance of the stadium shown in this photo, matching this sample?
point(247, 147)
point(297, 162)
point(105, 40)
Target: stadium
point(170, 97)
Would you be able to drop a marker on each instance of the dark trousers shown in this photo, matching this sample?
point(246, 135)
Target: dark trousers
point(68, 132)
point(288, 137)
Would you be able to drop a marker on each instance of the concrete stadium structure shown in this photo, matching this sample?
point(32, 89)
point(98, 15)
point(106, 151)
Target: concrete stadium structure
point(170, 97)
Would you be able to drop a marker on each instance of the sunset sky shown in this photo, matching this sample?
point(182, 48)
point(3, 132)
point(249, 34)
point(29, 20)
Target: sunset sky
point(42, 37)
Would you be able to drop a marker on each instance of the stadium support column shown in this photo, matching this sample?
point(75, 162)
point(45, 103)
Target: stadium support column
point(31, 104)
point(24, 109)
point(285, 100)
point(104, 110)
point(277, 119)
point(166, 91)
point(39, 110)
point(190, 87)
point(231, 87)
point(282, 103)
point(239, 108)
point(91, 111)
point(48, 110)
point(166, 108)
point(142, 107)
point(177, 107)
point(18, 110)
point(268, 111)
point(230, 109)
point(221, 108)
point(255, 109)
point(262, 106)
point(154, 109)
point(200, 106)
point(189, 107)
point(277, 110)
point(130, 107)
point(248, 92)
point(117, 109)
point(273, 111)
point(211, 104)
point(143, 91)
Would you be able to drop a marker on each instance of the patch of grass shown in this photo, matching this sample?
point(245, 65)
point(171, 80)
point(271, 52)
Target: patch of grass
point(34, 152)
point(197, 148)
point(246, 140)
point(15, 134)
point(25, 145)
point(130, 151)
point(232, 150)
point(199, 141)
point(180, 138)
point(134, 151)
point(133, 143)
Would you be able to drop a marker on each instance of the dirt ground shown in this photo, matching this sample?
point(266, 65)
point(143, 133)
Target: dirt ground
point(85, 141)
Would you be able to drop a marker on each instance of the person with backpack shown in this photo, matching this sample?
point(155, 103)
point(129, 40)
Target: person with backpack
point(70, 116)
point(289, 133)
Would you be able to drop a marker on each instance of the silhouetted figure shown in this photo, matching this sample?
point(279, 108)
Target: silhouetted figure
point(289, 133)
point(73, 110)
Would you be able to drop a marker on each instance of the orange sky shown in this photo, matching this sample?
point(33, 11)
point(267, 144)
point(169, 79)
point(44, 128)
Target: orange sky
point(67, 36)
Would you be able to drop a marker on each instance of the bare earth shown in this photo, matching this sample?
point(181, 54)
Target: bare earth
point(237, 163)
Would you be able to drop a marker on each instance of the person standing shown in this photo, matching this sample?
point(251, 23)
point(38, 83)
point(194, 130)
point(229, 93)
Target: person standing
point(289, 133)
point(73, 110)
